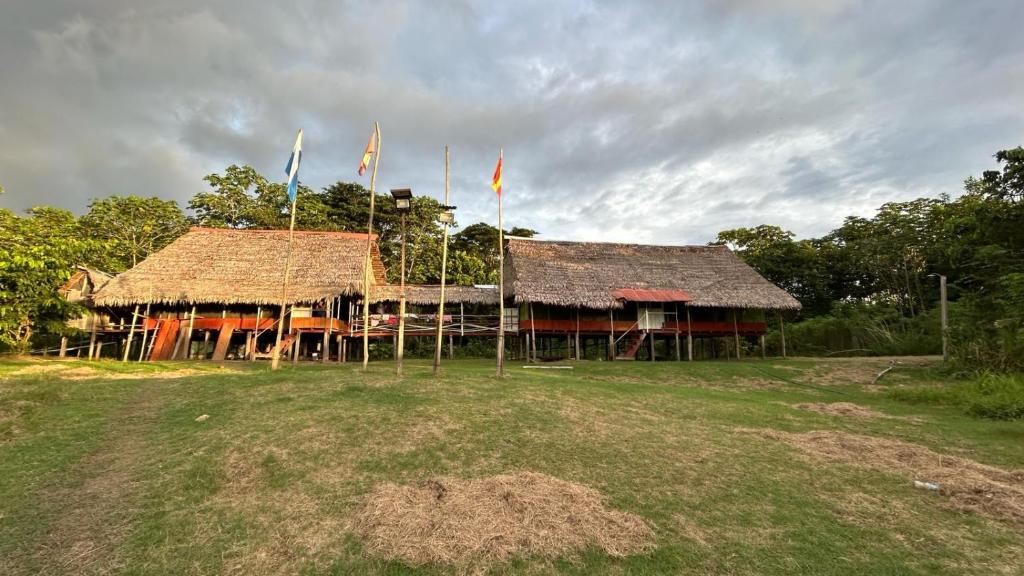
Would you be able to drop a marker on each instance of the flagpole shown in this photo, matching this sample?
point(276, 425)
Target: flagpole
point(367, 265)
point(444, 269)
point(276, 360)
point(501, 280)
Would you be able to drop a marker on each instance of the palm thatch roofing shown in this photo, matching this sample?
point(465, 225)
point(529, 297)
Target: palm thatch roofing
point(227, 266)
point(83, 283)
point(585, 274)
point(427, 294)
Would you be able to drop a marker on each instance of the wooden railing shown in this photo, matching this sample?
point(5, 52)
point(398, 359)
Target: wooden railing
point(700, 327)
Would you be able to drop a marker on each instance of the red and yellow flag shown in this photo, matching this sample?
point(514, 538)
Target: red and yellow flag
point(496, 181)
point(368, 153)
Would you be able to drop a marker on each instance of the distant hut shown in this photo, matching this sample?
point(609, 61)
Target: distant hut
point(632, 296)
point(225, 285)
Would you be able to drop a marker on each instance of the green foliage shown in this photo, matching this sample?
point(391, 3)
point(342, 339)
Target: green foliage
point(861, 329)
point(37, 255)
point(994, 396)
point(132, 228)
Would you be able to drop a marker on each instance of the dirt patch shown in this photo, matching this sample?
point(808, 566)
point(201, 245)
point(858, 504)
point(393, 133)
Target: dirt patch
point(478, 521)
point(849, 409)
point(967, 484)
point(86, 373)
point(37, 369)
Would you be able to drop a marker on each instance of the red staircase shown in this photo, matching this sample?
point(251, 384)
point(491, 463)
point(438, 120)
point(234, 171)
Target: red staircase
point(633, 346)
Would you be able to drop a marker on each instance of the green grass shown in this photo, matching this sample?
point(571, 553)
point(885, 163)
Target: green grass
point(995, 396)
point(113, 474)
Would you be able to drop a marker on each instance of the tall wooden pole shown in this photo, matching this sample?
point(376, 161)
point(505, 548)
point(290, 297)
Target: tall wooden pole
point(275, 361)
point(945, 320)
point(533, 335)
point(444, 270)
point(131, 334)
point(501, 282)
point(188, 335)
point(367, 265)
point(400, 348)
point(611, 333)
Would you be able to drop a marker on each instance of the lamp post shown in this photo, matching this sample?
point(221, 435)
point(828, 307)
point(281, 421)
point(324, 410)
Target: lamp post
point(942, 315)
point(403, 203)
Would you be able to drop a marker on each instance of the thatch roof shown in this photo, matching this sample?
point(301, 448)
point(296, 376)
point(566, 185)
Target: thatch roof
point(226, 266)
point(584, 274)
point(426, 294)
point(83, 283)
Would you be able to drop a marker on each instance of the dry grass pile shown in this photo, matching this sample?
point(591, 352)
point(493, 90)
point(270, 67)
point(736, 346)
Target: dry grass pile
point(969, 485)
point(841, 409)
point(459, 522)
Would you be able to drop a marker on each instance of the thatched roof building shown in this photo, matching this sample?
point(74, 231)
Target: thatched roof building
point(227, 266)
point(595, 275)
point(83, 283)
point(430, 294)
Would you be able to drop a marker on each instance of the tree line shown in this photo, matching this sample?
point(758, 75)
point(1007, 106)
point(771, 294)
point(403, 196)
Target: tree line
point(867, 286)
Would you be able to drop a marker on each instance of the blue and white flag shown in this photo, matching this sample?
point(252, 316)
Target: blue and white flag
point(292, 169)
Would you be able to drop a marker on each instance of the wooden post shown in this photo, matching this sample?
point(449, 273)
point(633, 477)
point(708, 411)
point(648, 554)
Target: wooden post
point(653, 340)
point(340, 339)
point(444, 272)
point(577, 334)
point(256, 335)
point(533, 334)
point(611, 333)
point(527, 336)
point(736, 333)
point(782, 334)
point(344, 350)
point(501, 280)
point(99, 349)
point(400, 341)
point(451, 346)
point(92, 337)
point(679, 354)
point(188, 336)
point(327, 331)
point(63, 347)
point(462, 319)
point(131, 334)
point(762, 347)
point(295, 346)
point(944, 318)
point(689, 335)
point(145, 334)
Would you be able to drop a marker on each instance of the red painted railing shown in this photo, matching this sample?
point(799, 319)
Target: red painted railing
point(702, 328)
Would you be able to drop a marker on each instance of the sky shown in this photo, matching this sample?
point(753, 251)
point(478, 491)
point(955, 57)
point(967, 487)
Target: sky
point(645, 121)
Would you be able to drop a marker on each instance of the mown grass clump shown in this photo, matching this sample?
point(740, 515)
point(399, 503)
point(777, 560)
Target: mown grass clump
point(994, 396)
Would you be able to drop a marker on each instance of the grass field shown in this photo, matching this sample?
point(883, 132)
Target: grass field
point(104, 468)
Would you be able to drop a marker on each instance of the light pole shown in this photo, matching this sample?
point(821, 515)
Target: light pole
point(943, 316)
point(403, 203)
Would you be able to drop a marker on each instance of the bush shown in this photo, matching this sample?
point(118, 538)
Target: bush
point(857, 328)
point(994, 396)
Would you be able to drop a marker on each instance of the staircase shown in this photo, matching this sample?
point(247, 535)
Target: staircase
point(632, 346)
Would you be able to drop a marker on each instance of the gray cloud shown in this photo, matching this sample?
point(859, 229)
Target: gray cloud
point(650, 121)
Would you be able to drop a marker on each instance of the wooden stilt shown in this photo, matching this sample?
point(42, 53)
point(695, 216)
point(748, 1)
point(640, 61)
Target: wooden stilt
point(338, 340)
point(145, 334)
point(689, 335)
point(762, 346)
point(188, 335)
point(131, 334)
point(99, 349)
point(611, 333)
point(533, 334)
point(344, 350)
point(63, 347)
point(782, 334)
point(326, 352)
point(92, 338)
point(736, 333)
point(295, 346)
point(256, 335)
point(451, 346)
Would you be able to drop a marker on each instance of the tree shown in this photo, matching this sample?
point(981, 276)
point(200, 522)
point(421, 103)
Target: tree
point(37, 255)
point(132, 227)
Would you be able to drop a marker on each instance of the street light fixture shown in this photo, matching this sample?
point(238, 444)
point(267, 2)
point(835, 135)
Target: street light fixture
point(403, 203)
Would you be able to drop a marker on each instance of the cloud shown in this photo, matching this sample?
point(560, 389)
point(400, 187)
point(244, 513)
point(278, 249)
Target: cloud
point(650, 121)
